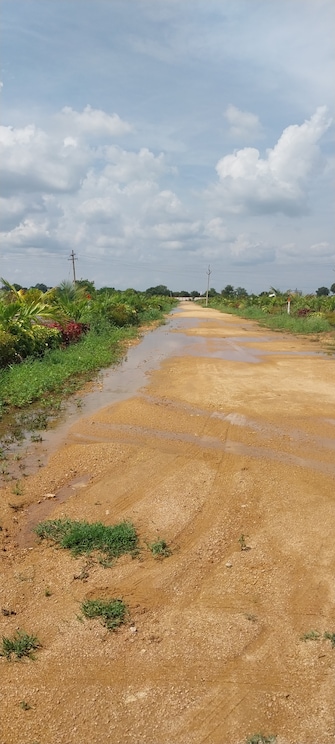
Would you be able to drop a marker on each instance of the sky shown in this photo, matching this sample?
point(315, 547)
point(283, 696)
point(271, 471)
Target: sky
point(160, 140)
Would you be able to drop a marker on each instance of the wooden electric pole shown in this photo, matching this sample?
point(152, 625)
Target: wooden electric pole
point(73, 259)
point(208, 272)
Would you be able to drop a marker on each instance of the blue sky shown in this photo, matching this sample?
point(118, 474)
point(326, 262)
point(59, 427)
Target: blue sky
point(157, 137)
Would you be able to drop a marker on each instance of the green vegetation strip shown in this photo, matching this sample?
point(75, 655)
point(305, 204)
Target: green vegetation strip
point(282, 321)
point(61, 370)
point(112, 612)
point(84, 537)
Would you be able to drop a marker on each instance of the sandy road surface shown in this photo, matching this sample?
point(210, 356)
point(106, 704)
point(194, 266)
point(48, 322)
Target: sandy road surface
point(234, 434)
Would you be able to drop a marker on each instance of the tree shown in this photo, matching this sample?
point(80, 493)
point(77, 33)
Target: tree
point(332, 289)
point(194, 293)
point(87, 285)
point(228, 291)
point(42, 287)
point(241, 292)
point(322, 292)
point(160, 290)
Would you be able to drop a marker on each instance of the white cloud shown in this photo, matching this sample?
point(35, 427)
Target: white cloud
point(33, 161)
point(322, 252)
point(280, 181)
point(216, 229)
point(167, 231)
point(246, 250)
point(243, 124)
point(94, 122)
point(124, 166)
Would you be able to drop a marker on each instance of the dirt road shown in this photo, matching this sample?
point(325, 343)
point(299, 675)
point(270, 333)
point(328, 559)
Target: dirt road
point(227, 453)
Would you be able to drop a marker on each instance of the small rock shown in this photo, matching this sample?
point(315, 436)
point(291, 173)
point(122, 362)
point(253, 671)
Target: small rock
point(133, 629)
point(229, 565)
point(50, 496)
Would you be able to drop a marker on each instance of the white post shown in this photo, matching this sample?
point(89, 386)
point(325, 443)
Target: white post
point(289, 305)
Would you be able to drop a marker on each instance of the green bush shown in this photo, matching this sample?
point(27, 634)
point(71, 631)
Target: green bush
point(8, 353)
point(24, 340)
point(45, 338)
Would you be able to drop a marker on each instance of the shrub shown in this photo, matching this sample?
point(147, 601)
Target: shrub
point(45, 338)
point(8, 353)
point(70, 332)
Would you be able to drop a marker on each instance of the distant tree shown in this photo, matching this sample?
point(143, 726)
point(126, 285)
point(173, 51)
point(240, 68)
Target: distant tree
point(212, 292)
point(322, 292)
point(228, 291)
point(332, 289)
point(106, 290)
point(194, 293)
point(241, 292)
point(161, 290)
point(87, 285)
point(42, 287)
point(17, 286)
point(183, 293)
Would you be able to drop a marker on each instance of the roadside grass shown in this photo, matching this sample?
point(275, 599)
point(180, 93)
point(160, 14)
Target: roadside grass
point(21, 644)
point(312, 323)
point(261, 739)
point(32, 392)
point(160, 549)
point(112, 612)
point(85, 537)
point(60, 371)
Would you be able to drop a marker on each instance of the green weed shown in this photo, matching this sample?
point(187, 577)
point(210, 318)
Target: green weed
point(312, 635)
point(21, 644)
point(36, 438)
point(243, 544)
point(330, 637)
point(261, 739)
point(84, 537)
point(113, 612)
point(159, 549)
point(17, 489)
point(24, 705)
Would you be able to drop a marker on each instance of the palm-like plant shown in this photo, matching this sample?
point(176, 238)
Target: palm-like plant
point(24, 310)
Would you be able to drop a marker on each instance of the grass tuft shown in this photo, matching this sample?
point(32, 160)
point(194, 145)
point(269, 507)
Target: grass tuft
point(261, 739)
point(159, 549)
point(84, 537)
point(330, 637)
point(21, 644)
point(113, 612)
point(312, 635)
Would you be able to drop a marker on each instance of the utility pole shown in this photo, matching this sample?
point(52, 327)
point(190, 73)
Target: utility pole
point(73, 259)
point(208, 272)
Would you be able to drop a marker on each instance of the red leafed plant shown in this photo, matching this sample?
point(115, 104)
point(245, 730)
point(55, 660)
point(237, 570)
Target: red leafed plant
point(71, 331)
